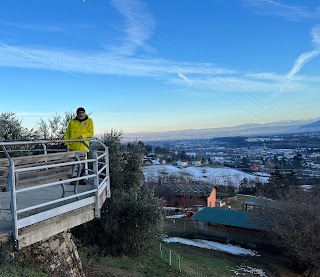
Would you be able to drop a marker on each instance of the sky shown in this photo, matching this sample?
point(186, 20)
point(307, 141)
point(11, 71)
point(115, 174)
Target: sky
point(152, 66)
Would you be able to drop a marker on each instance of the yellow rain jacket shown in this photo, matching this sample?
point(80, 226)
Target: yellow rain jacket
point(77, 128)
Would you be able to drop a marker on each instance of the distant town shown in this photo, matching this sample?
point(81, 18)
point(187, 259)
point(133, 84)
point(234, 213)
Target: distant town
point(259, 155)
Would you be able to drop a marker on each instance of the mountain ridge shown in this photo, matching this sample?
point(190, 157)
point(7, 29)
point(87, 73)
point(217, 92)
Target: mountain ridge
point(251, 129)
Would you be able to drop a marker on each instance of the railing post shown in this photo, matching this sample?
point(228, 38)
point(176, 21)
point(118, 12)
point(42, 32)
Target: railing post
point(107, 171)
point(12, 185)
point(44, 148)
point(96, 184)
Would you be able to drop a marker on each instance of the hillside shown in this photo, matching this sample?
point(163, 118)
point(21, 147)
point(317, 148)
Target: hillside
point(221, 176)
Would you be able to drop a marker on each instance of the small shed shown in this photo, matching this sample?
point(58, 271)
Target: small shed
point(230, 226)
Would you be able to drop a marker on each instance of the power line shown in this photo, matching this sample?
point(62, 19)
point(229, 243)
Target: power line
point(177, 70)
point(204, 68)
point(36, 58)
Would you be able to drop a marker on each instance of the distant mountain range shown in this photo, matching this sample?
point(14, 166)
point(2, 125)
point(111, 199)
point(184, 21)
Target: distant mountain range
point(254, 129)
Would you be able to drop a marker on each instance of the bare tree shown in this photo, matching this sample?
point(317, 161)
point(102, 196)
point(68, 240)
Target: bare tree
point(294, 225)
point(54, 127)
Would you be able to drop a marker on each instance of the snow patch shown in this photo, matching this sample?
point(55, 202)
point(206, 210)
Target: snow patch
point(176, 216)
point(229, 248)
point(248, 269)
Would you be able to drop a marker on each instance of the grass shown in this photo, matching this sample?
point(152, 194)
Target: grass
point(17, 264)
point(145, 265)
point(18, 270)
point(195, 262)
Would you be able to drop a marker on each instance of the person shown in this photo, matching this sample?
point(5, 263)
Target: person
point(80, 127)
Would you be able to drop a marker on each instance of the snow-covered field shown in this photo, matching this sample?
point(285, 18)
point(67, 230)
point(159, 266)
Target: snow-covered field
point(219, 176)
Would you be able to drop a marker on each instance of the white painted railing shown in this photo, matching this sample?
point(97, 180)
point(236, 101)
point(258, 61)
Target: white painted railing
point(97, 168)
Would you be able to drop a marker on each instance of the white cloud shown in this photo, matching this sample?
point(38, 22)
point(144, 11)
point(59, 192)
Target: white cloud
point(291, 13)
point(305, 57)
point(184, 77)
point(139, 27)
point(45, 28)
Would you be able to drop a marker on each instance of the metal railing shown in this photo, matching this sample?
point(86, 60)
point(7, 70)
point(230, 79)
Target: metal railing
point(97, 167)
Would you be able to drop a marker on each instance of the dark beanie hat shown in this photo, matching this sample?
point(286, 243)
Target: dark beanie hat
point(81, 110)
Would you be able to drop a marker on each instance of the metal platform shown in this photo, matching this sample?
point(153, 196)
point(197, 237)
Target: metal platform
point(32, 214)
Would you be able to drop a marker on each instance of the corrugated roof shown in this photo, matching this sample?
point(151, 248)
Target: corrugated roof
point(233, 218)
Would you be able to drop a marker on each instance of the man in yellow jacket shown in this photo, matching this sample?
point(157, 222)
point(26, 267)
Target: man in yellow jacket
point(80, 127)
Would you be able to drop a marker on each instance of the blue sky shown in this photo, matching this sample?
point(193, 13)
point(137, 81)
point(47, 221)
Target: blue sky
point(166, 65)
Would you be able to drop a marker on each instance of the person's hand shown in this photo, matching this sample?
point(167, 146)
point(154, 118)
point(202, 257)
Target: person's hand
point(68, 149)
point(80, 137)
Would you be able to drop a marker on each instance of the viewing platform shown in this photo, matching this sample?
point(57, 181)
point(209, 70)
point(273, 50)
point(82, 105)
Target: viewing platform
point(41, 188)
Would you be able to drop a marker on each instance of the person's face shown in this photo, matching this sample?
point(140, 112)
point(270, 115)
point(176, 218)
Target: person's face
point(81, 115)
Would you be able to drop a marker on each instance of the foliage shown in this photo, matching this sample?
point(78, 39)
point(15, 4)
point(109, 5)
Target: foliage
point(247, 187)
point(132, 219)
point(130, 224)
point(11, 128)
point(280, 183)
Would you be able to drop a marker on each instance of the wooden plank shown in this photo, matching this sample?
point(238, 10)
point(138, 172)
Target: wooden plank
point(4, 162)
point(45, 173)
point(29, 161)
point(42, 181)
point(3, 170)
point(54, 226)
point(3, 180)
point(47, 157)
point(31, 165)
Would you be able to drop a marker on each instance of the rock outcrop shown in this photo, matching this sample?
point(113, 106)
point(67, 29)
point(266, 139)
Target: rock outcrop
point(58, 256)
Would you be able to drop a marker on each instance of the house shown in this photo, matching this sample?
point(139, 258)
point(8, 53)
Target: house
point(182, 163)
point(254, 167)
point(196, 163)
point(234, 226)
point(183, 195)
point(211, 200)
point(155, 162)
point(147, 160)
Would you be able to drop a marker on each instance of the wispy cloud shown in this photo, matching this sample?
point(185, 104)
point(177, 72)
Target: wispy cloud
point(89, 62)
point(184, 77)
point(268, 76)
point(139, 27)
point(275, 8)
point(205, 75)
point(35, 58)
point(36, 27)
point(79, 62)
point(305, 57)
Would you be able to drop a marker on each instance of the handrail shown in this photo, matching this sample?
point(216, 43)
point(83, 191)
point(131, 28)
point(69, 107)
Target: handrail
point(99, 175)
